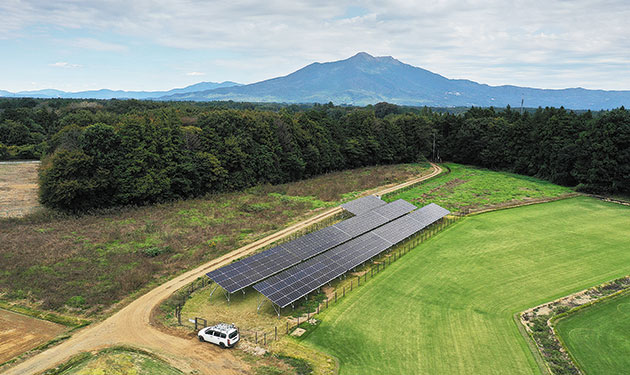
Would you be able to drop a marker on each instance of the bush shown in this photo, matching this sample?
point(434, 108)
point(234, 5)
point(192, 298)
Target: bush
point(154, 251)
point(76, 301)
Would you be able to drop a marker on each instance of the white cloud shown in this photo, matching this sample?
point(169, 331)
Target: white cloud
point(195, 74)
point(536, 43)
point(63, 64)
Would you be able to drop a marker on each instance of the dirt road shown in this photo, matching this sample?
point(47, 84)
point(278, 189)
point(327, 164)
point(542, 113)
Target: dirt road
point(132, 324)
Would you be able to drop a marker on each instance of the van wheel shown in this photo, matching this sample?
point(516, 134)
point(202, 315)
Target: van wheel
point(222, 345)
point(201, 339)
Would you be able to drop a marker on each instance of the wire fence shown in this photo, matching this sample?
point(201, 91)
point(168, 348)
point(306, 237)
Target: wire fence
point(349, 282)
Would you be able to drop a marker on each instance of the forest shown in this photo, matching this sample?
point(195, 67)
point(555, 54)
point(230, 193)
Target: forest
point(105, 153)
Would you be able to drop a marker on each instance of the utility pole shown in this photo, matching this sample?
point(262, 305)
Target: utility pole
point(522, 101)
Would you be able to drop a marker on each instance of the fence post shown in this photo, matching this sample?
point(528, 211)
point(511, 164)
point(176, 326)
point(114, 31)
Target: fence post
point(351, 285)
point(364, 277)
point(265, 336)
point(358, 280)
point(276, 333)
point(326, 302)
point(335, 296)
point(256, 337)
point(344, 291)
point(196, 324)
point(287, 327)
point(318, 308)
point(298, 323)
point(178, 312)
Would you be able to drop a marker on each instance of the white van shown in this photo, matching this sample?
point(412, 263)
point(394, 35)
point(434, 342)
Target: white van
point(224, 335)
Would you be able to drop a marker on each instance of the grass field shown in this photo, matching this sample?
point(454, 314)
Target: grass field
point(447, 307)
point(117, 361)
point(598, 337)
point(83, 265)
point(468, 188)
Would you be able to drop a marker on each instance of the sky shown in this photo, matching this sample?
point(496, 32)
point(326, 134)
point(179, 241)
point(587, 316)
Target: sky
point(76, 45)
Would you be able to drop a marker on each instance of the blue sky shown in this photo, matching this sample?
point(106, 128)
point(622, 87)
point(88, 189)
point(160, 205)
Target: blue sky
point(77, 45)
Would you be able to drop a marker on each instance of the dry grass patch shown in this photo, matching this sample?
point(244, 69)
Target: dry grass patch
point(18, 188)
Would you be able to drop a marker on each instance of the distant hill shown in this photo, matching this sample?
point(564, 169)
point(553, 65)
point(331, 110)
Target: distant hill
point(116, 94)
point(364, 79)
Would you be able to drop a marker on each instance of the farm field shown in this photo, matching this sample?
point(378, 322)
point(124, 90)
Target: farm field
point(18, 188)
point(84, 265)
point(20, 333)
point(598, 337)
point(468, 188)
point(447, 307)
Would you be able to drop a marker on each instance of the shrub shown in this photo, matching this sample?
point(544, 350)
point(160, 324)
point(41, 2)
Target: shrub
point(154, 251)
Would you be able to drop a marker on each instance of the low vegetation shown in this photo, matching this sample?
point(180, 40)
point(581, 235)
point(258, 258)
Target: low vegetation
point(467, 189)
point(82, 265)
point(448, 307)
point(598, 338)
point(115, 361)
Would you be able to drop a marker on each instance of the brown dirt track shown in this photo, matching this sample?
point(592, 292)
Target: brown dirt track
point(132, 325)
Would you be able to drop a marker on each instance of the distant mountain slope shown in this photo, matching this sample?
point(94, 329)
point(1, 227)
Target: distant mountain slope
point(118, 94)
point(364, 79)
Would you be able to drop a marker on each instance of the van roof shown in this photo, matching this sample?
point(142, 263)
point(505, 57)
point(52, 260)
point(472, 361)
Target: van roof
point(223, 327)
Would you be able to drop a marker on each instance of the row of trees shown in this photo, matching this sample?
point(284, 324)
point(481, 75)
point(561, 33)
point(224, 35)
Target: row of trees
point(108, 153)
point(153, 156)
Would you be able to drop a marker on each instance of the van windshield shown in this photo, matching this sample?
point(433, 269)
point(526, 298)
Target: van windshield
point(233, 334)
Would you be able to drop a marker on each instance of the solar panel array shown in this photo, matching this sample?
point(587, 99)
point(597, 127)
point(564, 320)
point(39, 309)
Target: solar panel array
point(296, 282)
point(246, 272)
point(363, 205)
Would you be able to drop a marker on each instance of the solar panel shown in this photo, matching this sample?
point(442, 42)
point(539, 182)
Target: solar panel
point(363, 205)
point(429, 214)
point(395, 209)
point(316, 242)
point(236, 276)
point(358, 225)
point(399, 229)
point(296, 282)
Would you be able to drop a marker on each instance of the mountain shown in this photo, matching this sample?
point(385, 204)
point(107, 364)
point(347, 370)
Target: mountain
point(117, 94)
point(364, 79)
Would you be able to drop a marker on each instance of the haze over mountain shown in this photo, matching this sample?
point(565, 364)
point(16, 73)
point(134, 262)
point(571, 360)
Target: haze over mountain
point(116, 94)
point(364, 79)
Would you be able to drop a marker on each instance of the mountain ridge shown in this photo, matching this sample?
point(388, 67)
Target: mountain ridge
point(115, 94)
point(364, 79)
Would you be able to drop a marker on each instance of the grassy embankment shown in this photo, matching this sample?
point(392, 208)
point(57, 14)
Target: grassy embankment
point(470, 189)
point(84, 265)
point(115, 361)
point(598, 337)
point(447, 307)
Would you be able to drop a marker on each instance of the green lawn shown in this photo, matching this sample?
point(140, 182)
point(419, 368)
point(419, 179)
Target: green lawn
point(598, 337)
point(468, 187)
point(447, 306)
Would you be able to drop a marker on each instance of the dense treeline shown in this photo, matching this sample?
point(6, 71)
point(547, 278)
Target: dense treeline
point(583, 150)
point(120, 152)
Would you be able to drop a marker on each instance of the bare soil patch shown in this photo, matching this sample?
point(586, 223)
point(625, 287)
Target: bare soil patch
point(18, 188)
point(20, 333)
